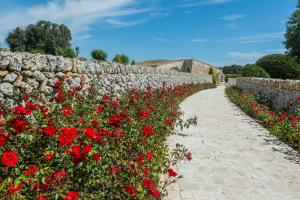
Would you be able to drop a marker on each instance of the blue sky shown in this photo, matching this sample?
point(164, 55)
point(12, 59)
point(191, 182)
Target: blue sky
point(219, 32)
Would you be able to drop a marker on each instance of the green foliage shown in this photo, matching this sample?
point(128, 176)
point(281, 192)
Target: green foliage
point(43, 37)
point(285, 127)
point(133, 62)
point(99, 55)
point(66, 52)
point(292, 35)
point(251, 70)
point(227, 76)
point(121, 59)
point(280, 66)
point(233, 69)
point(213, 75)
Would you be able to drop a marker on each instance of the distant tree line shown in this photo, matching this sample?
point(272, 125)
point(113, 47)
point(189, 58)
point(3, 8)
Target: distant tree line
point(281, 66)
point(46, 37)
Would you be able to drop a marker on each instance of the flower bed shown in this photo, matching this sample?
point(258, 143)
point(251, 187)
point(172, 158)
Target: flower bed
point(75, 146)
point(285, 127)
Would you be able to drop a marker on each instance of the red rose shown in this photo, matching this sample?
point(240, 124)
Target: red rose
point(169, 122)
point(145, 171)
point(13, 188)
point(155, 194)
point(87, 148)
point(2, 140)
point(96, 157)
point(59, 175)
point(21, 110)
point(149, 155)
point(30, 171)
point(172, 172)
point(19, 125)
point(9, 158)
point(188, 156)
point(48, 156)
point(99, 109)
point(66, 136)
point(114, 120)
point(77, 156)
point(148, 130)
point(49, 131)
point(68, 111)
point(92, 134)
point(131, 191)
point(72, 195)
point(116, 105)
point(41, 197)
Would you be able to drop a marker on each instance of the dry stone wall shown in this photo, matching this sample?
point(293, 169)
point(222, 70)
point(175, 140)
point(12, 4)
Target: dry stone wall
point(282, 93)
point(25, 73)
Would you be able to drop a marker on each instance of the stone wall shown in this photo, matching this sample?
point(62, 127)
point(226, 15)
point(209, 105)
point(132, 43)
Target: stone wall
point(282, 93)
point(25, 73)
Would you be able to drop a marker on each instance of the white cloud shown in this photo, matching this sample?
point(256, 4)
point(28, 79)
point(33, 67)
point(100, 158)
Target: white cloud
point(79, 15)
point(202, 3)
point(256, 38)
point(232, 17)
point(197, 40)
point(247, 56)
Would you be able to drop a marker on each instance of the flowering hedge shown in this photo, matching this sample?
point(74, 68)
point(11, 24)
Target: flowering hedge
point(285, 127)
point(75, 146)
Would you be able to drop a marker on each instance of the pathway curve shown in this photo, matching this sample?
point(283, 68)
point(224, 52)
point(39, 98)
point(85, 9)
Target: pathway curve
point(231, 156)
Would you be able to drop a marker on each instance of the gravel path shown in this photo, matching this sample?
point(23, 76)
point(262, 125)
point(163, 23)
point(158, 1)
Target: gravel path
point(233, 156)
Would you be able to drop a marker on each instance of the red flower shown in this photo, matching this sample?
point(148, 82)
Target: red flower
point(155, 194)
point(59, 175)
point(149, 155)
point(148, 130)
point(77, 156)
point(116, 105)
point(92, 134)
point(9, 158)
point(13, 188)
point(30, 171)
point(298, 98)
point(48, 156)
point(96, 157)
point(131, 191)
point(2, 140)
point(68, 111)
point(149, 184)
point(49, 131)
point(114, 120)
point(87, 148)
point(145, 171)
point(19, 125)
point(169, 122)
point(99, 109)
point(21, 110)
point(41, 197)
point(58, 83)
point(188, 156)
point(66, 136)
point(152, 108)
point(172, 172)
point(144, 114)
point(72, 196)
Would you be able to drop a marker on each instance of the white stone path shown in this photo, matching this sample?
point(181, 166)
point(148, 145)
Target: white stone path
point(231, 156)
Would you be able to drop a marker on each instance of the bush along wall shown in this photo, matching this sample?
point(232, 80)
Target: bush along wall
point(74, 146)
point(285, 127)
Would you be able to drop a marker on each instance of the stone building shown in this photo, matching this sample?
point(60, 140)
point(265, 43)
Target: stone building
point(184, 65)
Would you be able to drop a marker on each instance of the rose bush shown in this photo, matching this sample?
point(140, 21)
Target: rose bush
point(77, 145)
point(285, 127)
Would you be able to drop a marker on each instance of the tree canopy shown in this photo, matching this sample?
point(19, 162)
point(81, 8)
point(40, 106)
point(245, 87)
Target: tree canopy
point(43, 37)
point(99, 55)
point(121, 59)
point(292, 35)
point(233, 69)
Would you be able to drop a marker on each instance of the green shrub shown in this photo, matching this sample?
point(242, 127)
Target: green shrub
point(99, 55)
point(227, 76)
point(280, 66)
point(213, 75)
point(67, 53)
point(121, 59)
point(233, 69)
point(251, 70)
point(133, 62)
